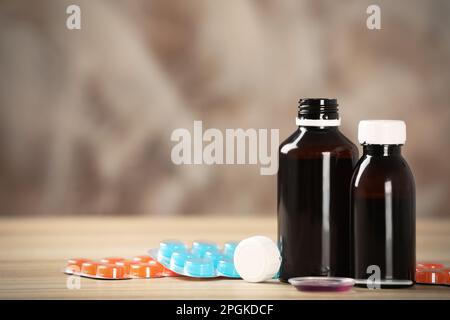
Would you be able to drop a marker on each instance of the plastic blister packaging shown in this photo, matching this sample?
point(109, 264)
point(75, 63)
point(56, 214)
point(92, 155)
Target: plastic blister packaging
point(433, 273)
point(203, 259)
point(117, 268)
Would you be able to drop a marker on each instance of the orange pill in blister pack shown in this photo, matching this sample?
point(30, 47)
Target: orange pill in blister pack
point(111, 271)
point(90, 268)
point(112, 260)
point(126, 264)
point(446, 271)
point(430, 265)
point(74, 265)
point(151, 269)
point(143, 259)
point(113, 268)
point(431, 276)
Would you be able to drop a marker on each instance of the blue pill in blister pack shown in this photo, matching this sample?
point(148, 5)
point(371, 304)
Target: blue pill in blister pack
point(199, 267)
point(167, 248)
point(229, 247)
point(178, 260)
point(225, 267)
point(203, 260)
point(199, 248)
point(214, 256)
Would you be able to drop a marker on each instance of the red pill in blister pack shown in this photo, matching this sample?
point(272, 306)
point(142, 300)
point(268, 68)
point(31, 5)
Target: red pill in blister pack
point(431, 276)
point(432, 273)
point(430, 265)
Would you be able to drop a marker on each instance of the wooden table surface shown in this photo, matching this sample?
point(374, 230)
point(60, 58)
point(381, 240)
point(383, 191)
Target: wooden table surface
point(33, 252)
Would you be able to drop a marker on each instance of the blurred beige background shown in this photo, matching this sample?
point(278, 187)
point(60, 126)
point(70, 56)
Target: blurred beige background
point(86, 116)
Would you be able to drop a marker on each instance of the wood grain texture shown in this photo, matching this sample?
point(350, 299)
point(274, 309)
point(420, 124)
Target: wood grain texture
point(33, 252)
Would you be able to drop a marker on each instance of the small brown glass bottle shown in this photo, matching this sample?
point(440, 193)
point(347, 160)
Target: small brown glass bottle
point(383, 208)
point(315, 168)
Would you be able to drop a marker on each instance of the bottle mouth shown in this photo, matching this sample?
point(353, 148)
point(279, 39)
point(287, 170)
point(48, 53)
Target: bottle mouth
point(318, 102)
point(318, 109)
point(313, 109)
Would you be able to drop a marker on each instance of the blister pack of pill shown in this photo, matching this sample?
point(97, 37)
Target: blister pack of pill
point(202, 259)
point(433, 273)
point(117, 268)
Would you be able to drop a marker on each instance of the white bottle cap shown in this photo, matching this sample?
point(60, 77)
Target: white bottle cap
point(257, 259)
point(382, 132)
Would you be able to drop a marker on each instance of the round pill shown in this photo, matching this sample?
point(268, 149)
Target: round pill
point(143, 259)
point(90, 268)
point(257, 259)
point(74, 264)
point(110, 271)
point(322, 284)
point(150, 269)
point(112, 260)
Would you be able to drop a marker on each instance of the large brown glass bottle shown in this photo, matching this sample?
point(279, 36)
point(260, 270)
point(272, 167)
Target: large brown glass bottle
point(315, 168)
point(383, 208)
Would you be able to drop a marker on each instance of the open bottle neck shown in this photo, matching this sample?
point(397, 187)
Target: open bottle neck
point(318, 112)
